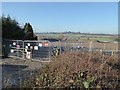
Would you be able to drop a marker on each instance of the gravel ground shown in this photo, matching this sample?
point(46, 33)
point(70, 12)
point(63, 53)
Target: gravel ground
point(14, 69)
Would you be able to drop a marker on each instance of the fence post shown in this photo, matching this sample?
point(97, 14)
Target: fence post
point(49, 45)
point(17, 49)
point(23, 50)
point(112, 52)
point(60, 46)
point(90, 50)
point(90, 46)
point(100, 51)
point(104, 46)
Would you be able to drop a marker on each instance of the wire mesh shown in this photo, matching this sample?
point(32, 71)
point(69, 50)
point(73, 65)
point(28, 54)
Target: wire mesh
point(38, 50)
point(44, 50)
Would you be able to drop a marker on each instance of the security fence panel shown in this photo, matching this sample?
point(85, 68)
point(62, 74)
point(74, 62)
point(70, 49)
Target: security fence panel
point(43, 50)
point(37, 50)
point(74, 46)
point(55, 48)
point(16, 48)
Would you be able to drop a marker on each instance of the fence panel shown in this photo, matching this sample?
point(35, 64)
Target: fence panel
point(35, 50)
point(16, 48)
point(39, 50)
point(74, 46)
point(44, 50)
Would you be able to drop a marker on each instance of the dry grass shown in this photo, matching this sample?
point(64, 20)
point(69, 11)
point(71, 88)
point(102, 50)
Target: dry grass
point(73, 69)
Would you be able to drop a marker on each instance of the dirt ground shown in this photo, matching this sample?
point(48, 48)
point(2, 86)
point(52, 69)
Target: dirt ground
point(14, 69)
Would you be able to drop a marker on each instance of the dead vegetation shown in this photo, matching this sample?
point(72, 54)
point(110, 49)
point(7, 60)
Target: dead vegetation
point(77, 70)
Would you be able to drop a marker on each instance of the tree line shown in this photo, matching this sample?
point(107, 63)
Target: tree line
point(12, 30)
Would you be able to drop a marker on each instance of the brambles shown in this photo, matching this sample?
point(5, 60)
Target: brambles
point(75, 70)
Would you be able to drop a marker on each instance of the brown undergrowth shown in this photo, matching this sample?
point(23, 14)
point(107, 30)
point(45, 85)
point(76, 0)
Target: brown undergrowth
point(78, 70)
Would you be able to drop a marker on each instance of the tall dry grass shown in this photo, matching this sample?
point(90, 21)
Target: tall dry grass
point(77, 70)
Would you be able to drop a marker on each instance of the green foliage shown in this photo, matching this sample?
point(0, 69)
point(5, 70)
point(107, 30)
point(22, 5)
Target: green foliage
point(28, 30)
point(88, 81)
point(117, 39)
point(11, 28)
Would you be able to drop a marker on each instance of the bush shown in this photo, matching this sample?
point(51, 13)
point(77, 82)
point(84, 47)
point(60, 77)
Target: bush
point(77, 70)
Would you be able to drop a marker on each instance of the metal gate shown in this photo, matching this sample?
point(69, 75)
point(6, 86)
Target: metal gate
point(35, 50)
point(44, 50)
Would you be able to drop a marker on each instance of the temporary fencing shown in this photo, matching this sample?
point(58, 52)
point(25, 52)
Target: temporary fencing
point(35, 50)
point(43, 50)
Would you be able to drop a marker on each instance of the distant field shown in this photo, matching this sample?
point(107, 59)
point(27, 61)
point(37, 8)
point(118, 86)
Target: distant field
point(78, 37)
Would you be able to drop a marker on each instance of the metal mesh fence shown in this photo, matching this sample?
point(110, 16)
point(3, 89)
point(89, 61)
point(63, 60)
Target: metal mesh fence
point(44, 50)
point(72, 46)
point(16, 48)
point(38, 50)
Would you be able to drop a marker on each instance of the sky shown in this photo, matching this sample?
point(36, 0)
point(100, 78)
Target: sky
point(85, 17)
